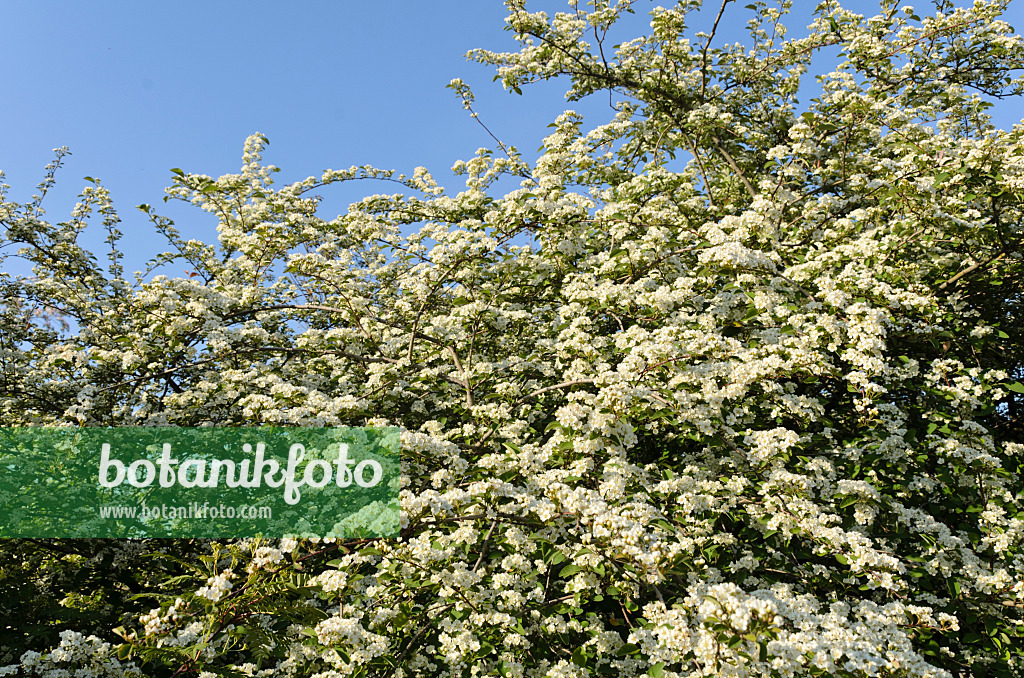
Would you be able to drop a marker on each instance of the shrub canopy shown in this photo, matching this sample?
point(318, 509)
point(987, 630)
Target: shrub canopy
point(726, 385)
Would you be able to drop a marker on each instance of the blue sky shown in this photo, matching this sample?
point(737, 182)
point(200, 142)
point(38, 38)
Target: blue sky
point(135, 89)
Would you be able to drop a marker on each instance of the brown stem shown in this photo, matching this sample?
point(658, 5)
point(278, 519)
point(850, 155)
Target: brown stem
point(704, 51)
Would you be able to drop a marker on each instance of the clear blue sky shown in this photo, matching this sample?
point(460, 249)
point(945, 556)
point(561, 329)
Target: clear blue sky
point(135, 89)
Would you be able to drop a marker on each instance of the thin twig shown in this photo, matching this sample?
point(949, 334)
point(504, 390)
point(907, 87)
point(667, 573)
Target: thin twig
point(564, 384)
point(700, 166)
point(704, 52)
point(483, 547)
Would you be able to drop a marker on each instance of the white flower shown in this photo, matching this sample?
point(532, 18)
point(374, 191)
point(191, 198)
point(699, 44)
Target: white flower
point(217, 586)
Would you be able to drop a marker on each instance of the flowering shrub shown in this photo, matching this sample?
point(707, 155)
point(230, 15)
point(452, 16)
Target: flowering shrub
point(727, 386)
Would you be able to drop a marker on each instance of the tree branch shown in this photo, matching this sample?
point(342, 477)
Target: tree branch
point(734, 166)
point(972, 269)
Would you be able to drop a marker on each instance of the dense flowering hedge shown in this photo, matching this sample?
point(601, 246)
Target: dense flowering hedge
point(728, 385)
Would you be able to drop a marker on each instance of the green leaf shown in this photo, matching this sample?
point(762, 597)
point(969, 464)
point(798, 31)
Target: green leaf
point(657, 670)
point(1016, 387)
point(569, 570)
point(954, 587)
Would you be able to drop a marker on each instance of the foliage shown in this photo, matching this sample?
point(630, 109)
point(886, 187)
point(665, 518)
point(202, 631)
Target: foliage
point(729, 385)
